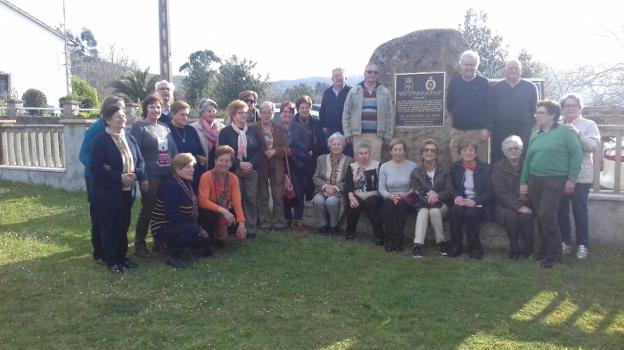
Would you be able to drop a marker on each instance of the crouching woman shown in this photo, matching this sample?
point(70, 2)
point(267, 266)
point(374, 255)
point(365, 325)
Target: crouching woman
point(174, 218)
point(220, 206)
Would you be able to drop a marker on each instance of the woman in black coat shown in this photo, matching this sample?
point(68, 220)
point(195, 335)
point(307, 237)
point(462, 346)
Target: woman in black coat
point(116, 166)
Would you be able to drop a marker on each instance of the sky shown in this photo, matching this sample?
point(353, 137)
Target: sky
point(297, 39)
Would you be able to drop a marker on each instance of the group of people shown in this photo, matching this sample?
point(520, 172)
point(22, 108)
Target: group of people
point(205, 181)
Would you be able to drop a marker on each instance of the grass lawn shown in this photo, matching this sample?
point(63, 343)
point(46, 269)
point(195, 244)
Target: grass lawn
point(288, 291)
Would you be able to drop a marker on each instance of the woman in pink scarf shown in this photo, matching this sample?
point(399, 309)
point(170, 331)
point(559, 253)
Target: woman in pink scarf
point(208, 129)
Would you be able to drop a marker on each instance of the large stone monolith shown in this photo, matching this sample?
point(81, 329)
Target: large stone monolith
point(430, 50)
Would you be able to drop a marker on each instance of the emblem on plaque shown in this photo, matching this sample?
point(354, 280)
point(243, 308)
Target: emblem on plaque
point(430, 84)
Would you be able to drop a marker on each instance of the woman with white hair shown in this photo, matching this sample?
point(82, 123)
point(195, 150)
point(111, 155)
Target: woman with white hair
point(329, 181)
point(511, 212)
point(208, 129)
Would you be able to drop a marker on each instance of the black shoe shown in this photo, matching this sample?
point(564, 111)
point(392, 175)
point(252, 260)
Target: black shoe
point(417, 251)
point(399, 247)
point(100, 261)
point(350, 236)
point(442, 249)
point(140, 250)
point(219, 244)
point(547, 264)
point(251, 235)
point(476, 254)
point(116, 269)
point(206, 252)
point(129, 264)
point(158, 247)
point(389, 248)
point(334, 231)
point(455, 252)
point(177, 263)
point(379, 241)
point(539, 257)
point(323, 230)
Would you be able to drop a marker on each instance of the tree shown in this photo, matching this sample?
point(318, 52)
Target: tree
point(235, 76)
point(531, 68)
point(201, 75)
point(34, 98)
point(319, 89)
point(84, 93)
point(135, 85)
point(293, 93)
point(489, 46)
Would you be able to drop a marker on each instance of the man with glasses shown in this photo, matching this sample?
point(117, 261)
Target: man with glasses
point(588, 134)
point(512, 110)
point(467, 101)
point(368, 115)
point(165, 91)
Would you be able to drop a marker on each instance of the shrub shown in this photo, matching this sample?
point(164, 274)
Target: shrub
point(84, 93)
point(34, 98)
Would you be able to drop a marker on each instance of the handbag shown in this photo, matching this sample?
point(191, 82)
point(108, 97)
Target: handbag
point(414, 200)
point(289, 190)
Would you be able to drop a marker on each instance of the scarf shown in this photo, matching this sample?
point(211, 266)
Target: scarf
point(242, 140)
point(188, 191)
point(472, 166)
point(335, 168)
point(223, 199)
point(127, 162)
point(211, 133)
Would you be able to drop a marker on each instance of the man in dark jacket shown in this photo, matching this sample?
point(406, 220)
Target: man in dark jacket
point(332, 105)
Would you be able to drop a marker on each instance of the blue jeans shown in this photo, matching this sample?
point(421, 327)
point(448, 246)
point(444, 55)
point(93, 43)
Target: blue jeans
point(580, 213)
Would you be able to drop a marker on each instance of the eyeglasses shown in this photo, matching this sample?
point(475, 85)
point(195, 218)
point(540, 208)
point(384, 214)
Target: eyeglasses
point(571, 106)
point(514, 148)
point(372, 72)
point(250, 101)
point(430, 150)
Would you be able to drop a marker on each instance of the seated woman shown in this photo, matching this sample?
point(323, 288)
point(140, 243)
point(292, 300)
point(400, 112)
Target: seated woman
point(116, 165)
point(361, 187)
point(511, 212)
point(432, 183)
point(220, 206)
point(471, 193)
point(394, 186)
point(329, 180)
point(174, 218)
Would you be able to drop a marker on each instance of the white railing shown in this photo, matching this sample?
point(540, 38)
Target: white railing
point(32, 146)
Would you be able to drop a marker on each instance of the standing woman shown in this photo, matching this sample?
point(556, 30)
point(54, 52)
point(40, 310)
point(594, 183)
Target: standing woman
point(174, 220)
point(116, 165)
point(298, 156)
point(551, 166)
point(271, 169)
point(329, 182)
point(249, 149)
point(208, 129)
point(315, 137)
point(471, 193)
point(394, 185)
point(221, 211)
point(432, 183)
point(158, 149)
point(361, 187)
point(186, 139)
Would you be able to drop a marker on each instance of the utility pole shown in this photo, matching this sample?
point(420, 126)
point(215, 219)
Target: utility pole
point(165, 42)
point(67, 59)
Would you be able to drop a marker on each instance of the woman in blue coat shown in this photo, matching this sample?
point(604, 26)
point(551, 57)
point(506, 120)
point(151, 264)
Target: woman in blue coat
point(116, 166)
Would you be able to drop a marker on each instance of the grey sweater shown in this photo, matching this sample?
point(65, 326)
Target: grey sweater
point(157, 147)
point(395, 178)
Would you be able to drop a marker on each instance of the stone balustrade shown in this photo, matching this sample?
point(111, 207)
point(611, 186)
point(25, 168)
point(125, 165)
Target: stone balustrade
point(32, 146)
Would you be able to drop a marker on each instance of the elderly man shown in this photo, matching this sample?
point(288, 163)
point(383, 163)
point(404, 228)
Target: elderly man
point(332, 106)
point(512, 110)
point(588, 134)
point(467, 100)
point(165, 90)
point(368, 115)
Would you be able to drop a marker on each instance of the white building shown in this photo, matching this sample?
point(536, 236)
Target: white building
point(33, 55)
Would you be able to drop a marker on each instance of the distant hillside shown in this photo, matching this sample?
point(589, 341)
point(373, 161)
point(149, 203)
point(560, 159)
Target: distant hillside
point(278, 86)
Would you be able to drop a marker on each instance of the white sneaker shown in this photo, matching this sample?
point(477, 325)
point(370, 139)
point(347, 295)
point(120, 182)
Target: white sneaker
point(566, 249)
point(581, 253)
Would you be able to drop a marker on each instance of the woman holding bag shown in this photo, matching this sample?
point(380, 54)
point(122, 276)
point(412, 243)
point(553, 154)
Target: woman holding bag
point(271, 169)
